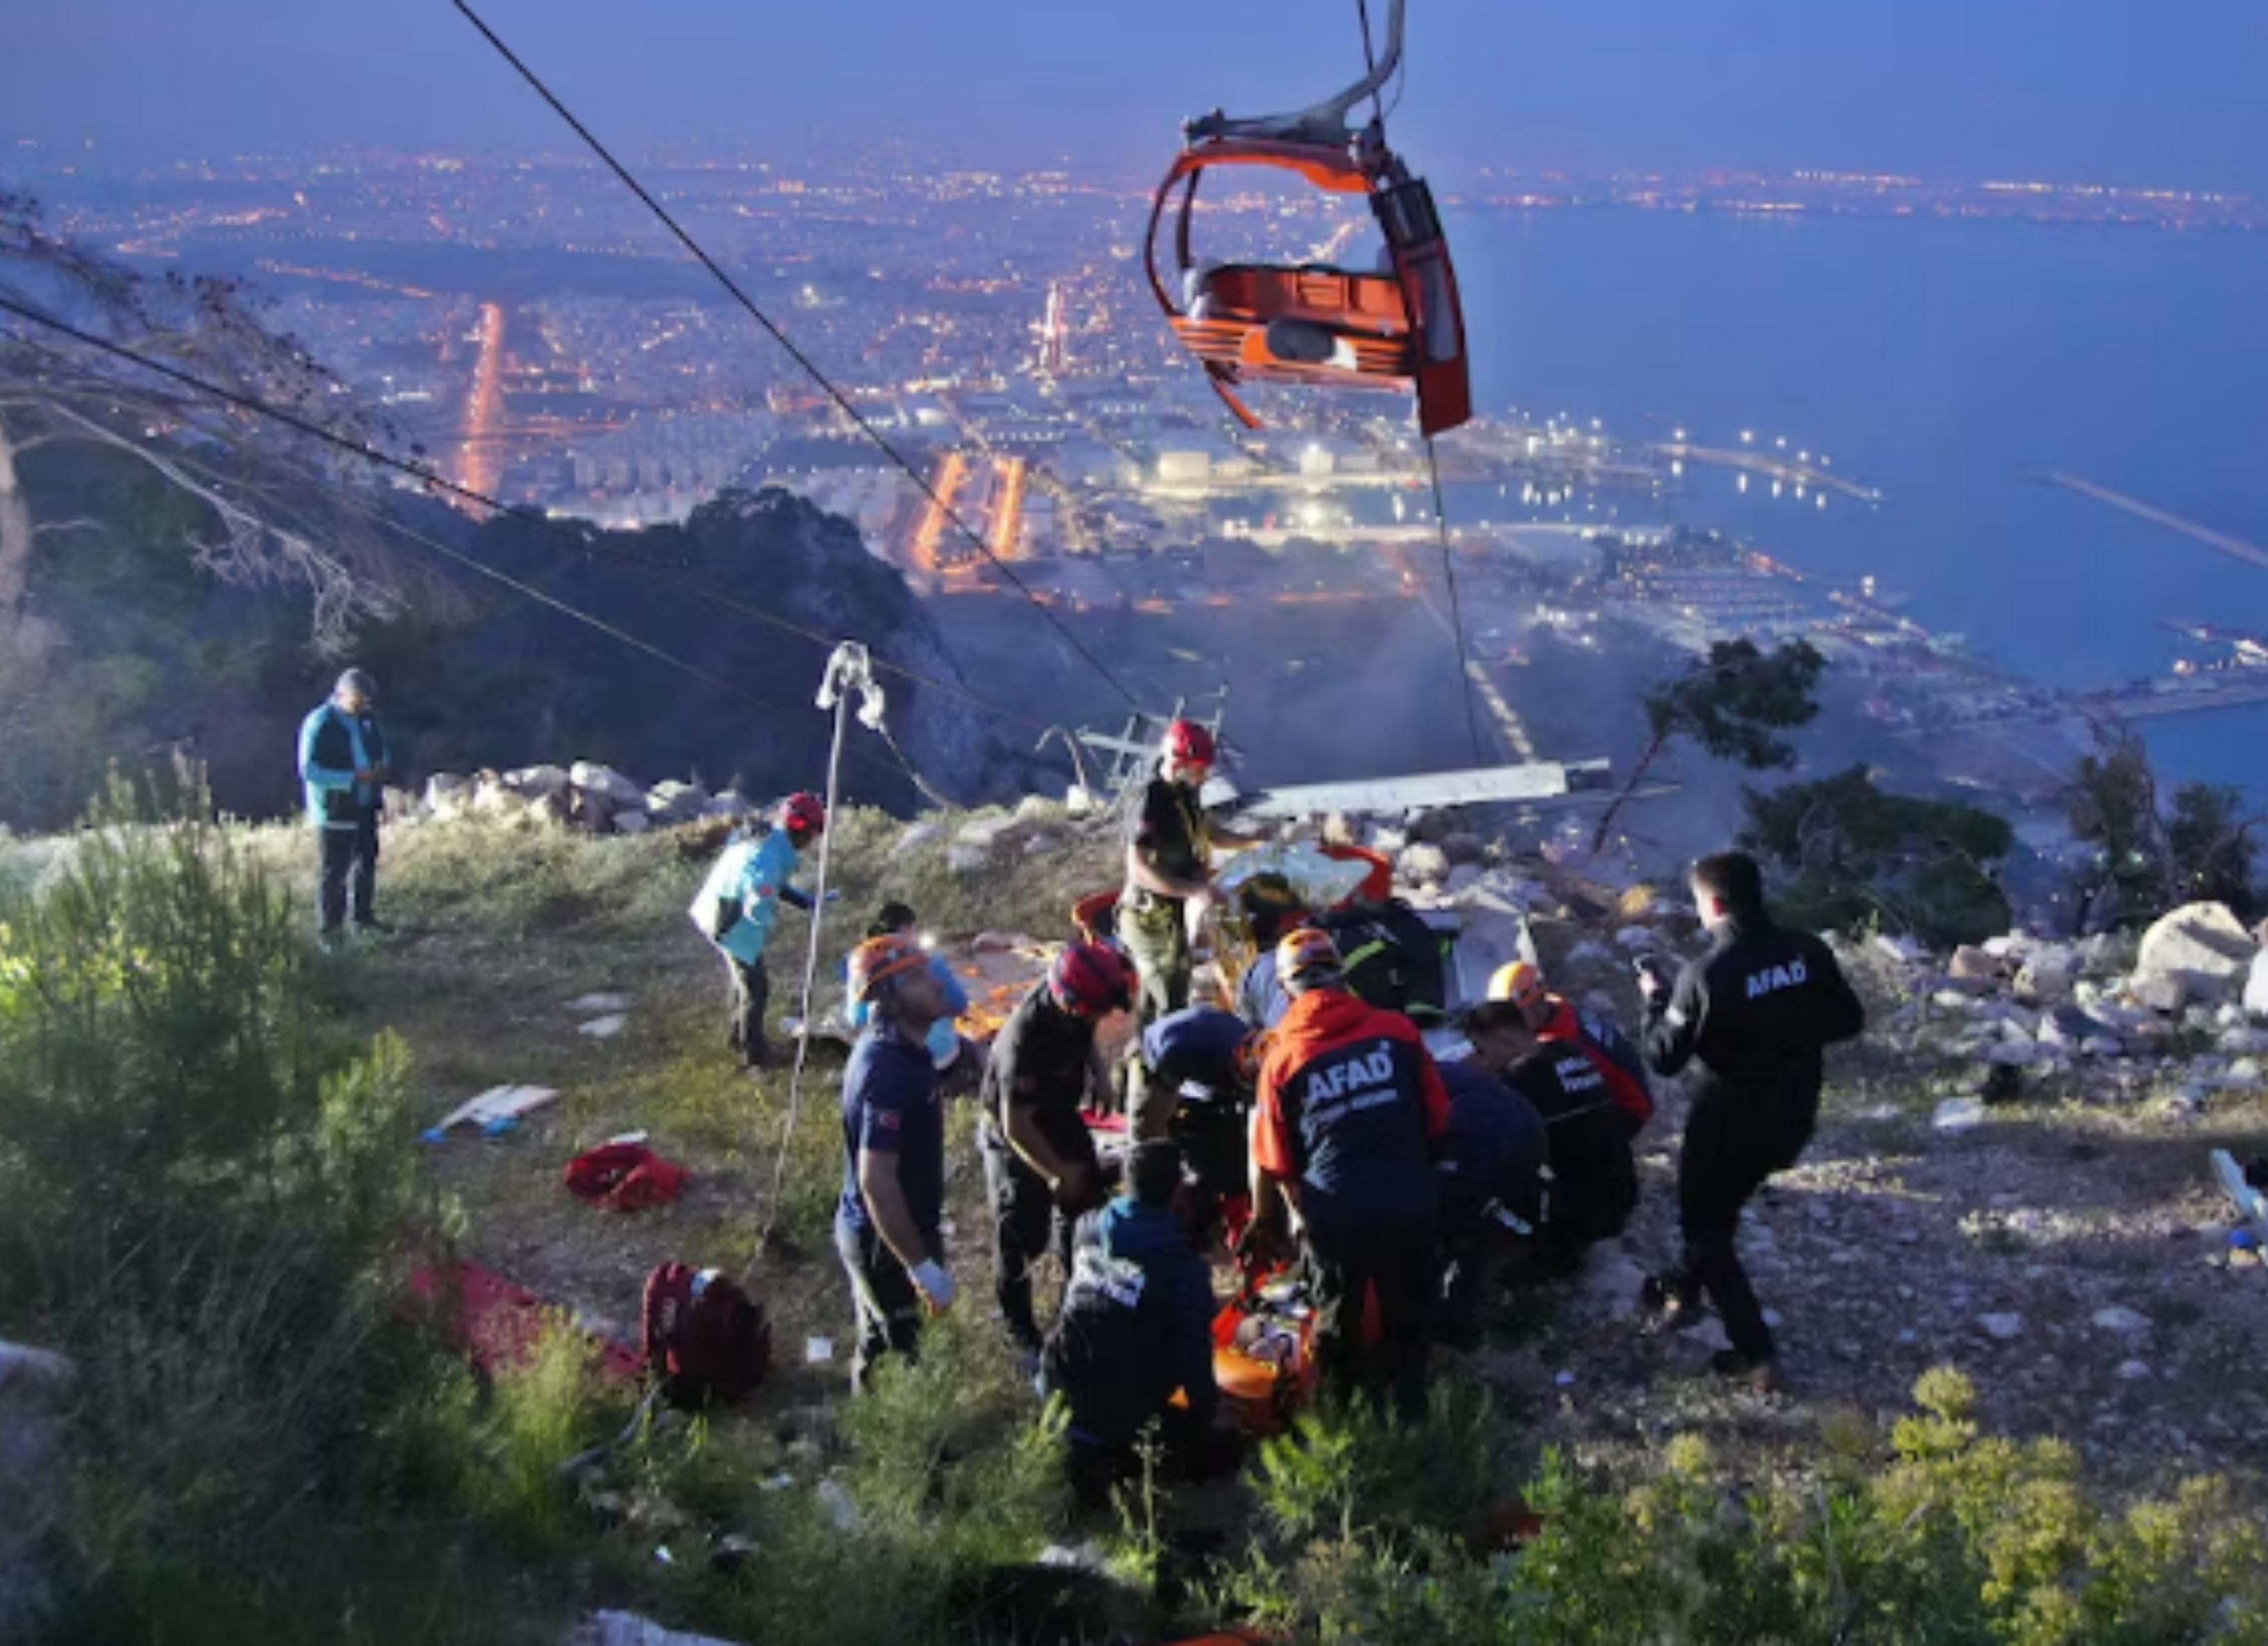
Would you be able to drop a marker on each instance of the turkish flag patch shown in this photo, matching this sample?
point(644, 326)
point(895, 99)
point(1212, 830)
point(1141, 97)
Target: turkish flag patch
point(888, 1119)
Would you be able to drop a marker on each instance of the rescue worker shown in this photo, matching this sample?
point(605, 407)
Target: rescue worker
point(1557, 1022)
point(1344, 1126)
point(737, 906)
point(1169, 874)
point(1754, 1010)
point(1041, 1170)
point(960, 1060)
point(1593, 1184)
point(1135, 1329)
point(888, 1223)
point(1202, 1061)
point(1492, 1163)
point(1271, 908)
point(344, 764)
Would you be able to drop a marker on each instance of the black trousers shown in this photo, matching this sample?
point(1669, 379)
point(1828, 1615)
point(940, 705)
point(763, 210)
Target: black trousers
point(751, 995)
point(1027, 1226)
point(1398, 1262)
point(1189, 1448)
point(349, 857)
point(889, 1308)
point(1721, 1165)
point(1473, 1246)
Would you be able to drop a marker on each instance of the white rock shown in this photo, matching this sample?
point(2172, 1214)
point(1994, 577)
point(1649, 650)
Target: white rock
point(535, 782)
point(493, 799)
point(2003, 1327)
point(964, 860)
point(1974, 966)
point(1952, 999)
point(2046, 985)
point(605, 780)
point(2002, 948)
point(2202, 945)
point(1900, 948)
point(584, 1005)
point(2243, 1075)
point(603, 1028)
point(2133, 1370)
point(632, 822)
point(447, 795)
point(916, 834)
point(2244, 1042)
point(2160, 994)
point(2119, 1318)
point(2256, 987)
point(984, 833)
point(671, 803)
point(1959, 1114)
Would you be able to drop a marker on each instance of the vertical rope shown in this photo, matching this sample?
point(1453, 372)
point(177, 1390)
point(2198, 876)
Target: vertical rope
point(810, 978)
point(1456, 609)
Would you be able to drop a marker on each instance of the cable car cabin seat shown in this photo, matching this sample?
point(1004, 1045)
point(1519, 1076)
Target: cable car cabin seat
point(1398, 327)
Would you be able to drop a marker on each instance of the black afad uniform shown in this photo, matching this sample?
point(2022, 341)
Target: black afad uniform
point(1753, 1012)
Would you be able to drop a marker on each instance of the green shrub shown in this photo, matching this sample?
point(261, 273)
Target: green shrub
point(1952, 1537)
point(205, 1192)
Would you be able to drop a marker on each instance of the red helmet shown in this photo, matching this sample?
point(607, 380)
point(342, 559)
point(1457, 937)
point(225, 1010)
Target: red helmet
point(1188, 743)
point(801, 814)
point(1089, 979)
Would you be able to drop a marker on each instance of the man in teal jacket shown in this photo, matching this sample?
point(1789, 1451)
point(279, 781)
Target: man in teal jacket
point(738, 905)
point(343, 763)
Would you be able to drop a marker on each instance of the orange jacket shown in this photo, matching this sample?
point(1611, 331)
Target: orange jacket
point(1349, 1105)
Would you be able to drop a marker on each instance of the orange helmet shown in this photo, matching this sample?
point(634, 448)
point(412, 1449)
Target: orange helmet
point(1519, 982)
point(880, 958)
point(1306, 951)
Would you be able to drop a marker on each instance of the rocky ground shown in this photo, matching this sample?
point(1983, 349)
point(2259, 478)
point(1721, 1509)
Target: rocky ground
point(2048, 1223)
point(1996, 1185)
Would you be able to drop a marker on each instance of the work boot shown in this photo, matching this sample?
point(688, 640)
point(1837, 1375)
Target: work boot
point(1759, 1373)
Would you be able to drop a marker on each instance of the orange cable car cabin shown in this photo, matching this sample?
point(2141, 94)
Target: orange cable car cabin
point(1397, 328)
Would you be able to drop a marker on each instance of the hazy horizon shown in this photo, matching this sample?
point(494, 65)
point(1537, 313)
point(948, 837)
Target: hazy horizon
point(2086, 93)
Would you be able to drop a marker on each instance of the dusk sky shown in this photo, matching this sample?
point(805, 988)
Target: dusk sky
point(2079, 90)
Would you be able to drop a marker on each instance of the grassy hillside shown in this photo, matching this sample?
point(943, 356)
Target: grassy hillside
point(200, 1114)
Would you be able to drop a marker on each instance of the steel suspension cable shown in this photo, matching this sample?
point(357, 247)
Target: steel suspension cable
point(809, 366)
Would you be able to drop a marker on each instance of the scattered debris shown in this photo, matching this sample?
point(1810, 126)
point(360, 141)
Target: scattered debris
point(627, 1628)
point(494, 1110)
point(586, 1005)
point(1959, 1114)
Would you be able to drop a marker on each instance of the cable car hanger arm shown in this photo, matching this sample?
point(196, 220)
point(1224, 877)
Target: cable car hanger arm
point(1323, 124)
